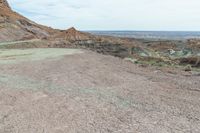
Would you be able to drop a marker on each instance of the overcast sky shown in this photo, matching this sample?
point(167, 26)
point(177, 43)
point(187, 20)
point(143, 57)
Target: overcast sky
point(175, 15)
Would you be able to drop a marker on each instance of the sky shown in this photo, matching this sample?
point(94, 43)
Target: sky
point(144, 15)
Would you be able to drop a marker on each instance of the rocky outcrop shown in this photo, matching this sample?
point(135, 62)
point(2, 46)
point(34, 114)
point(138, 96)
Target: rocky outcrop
point(4, 3)
point(14, 27)
point(72, 35)
point(192, 60)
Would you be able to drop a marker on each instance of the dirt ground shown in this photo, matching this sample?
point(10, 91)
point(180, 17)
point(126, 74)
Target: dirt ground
point(85, 92)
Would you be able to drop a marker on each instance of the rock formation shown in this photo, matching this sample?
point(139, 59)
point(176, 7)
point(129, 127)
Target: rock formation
point(4, 3)
point(72, 34)
point(14, 27)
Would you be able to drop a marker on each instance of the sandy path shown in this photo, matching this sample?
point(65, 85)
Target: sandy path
point(88, 92)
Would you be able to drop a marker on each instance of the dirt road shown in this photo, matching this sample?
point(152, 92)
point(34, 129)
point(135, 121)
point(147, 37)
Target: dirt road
point(88, 92)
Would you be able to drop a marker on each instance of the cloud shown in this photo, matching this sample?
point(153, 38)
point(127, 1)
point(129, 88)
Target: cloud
point(113, 14)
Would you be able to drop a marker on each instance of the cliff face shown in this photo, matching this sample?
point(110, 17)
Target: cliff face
point(13, 26)
point(4, 3)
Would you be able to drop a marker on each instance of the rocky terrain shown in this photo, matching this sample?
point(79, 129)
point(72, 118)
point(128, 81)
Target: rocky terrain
point(58, 81)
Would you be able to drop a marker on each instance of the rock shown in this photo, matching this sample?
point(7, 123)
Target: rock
point(171, 51)
point(192, 60)
point(4, 3)
point(188, 68)
point(131, 60)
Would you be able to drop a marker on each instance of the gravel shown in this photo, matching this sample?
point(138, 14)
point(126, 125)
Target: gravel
point(88, 92)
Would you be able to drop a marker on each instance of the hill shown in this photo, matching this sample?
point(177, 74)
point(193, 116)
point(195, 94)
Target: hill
point(14, 26)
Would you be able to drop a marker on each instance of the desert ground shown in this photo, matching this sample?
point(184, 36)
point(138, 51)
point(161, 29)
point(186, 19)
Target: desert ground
point(74, 90)
point(95, 83)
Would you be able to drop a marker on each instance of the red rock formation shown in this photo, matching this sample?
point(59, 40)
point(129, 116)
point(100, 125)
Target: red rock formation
point(14, 26)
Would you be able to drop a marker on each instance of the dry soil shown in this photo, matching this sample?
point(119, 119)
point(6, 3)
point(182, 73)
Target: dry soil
point(89, 93)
